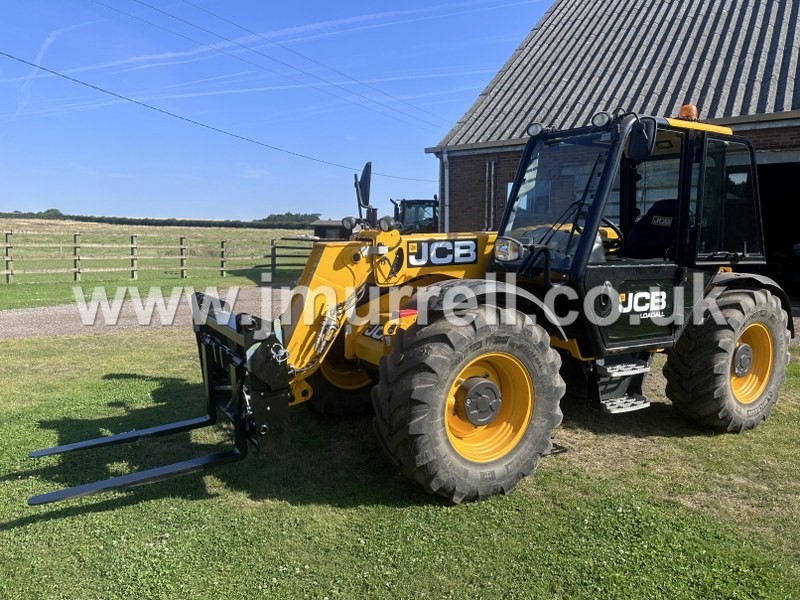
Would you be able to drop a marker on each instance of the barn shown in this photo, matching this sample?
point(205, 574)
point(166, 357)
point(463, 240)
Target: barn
point(737, 60)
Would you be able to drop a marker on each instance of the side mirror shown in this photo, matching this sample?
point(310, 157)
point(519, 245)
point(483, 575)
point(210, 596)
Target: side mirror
point(642, 140)
point(362, 185)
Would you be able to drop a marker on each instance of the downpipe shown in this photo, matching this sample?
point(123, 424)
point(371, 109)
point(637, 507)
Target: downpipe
point(446, 162)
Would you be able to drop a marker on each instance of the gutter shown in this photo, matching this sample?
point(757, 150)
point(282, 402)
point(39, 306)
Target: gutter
point(495, 145)
point(788, 115)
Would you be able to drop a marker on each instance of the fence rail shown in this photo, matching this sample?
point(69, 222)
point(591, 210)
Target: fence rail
point(287, 253)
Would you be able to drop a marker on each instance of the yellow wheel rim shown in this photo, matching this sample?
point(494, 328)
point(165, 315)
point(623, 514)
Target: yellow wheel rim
point(485, 443)
point(748, 386)
point(345, 378)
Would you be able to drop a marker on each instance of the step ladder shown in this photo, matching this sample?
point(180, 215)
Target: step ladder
point(626, 369)
point(623, 404)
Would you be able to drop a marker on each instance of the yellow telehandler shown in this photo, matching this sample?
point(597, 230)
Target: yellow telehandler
point(629, 236)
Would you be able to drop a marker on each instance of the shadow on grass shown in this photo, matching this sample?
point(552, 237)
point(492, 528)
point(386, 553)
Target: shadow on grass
point(659, 419)
point(333, 462)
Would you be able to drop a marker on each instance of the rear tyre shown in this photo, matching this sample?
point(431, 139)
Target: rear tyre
point(467, 411)
point(727, 377)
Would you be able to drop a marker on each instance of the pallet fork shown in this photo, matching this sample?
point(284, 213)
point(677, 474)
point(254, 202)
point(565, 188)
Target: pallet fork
point(245, 378)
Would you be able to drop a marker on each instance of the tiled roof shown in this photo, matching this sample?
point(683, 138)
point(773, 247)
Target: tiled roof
point(730, 57)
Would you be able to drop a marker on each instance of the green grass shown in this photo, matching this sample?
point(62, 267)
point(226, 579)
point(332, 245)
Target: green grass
point(642, 506)
point(247, 253)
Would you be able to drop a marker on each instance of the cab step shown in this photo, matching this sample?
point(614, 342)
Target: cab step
point(624, 404)
point(625, 369)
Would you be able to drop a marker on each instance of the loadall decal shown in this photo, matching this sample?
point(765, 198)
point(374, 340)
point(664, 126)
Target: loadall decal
point(646, 305)
point(429, 253)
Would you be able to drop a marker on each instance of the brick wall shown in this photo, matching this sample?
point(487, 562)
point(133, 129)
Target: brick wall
point(469, 210)
point(784, 138)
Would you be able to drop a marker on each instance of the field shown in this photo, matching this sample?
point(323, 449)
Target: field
point(641, 505)
point(108, 247)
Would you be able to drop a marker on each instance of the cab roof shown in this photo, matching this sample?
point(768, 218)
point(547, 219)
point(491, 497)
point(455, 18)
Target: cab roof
point(696, 125)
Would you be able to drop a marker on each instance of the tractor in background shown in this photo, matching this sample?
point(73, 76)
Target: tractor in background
point(417, 216)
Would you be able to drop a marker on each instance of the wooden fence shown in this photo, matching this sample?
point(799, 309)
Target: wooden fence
point(84, 258)
point(289, 253)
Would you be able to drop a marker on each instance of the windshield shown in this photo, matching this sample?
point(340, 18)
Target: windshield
point(558, 188)
point(416, 213)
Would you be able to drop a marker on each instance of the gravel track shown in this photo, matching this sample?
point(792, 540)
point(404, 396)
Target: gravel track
point(66, 319)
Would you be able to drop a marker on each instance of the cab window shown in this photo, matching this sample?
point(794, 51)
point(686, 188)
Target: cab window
point(728, 220)
point(643, 203)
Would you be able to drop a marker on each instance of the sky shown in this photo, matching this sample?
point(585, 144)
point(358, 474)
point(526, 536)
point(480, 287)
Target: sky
point(342, 82)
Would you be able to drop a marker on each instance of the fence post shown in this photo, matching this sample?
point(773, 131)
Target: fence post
point(182, 249)
point(9, 259)
point(134, 259)
point(222, 259)
point(273, 253)
point(76, 256)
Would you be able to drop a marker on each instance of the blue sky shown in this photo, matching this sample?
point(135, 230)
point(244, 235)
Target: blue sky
point(66, 146)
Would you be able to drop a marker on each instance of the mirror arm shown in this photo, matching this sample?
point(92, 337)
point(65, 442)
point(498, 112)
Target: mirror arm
point(547, 258)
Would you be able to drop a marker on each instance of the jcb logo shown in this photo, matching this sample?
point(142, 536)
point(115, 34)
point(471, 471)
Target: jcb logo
point(650, 303)
point(374, 332)
point(661, 221)
point(442, 252)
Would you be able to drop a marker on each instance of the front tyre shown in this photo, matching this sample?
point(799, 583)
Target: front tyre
point(466, 411)
point(341, 387)
point(727, 376)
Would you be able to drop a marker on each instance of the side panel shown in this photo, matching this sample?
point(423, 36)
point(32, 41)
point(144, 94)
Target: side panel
point(645, 300)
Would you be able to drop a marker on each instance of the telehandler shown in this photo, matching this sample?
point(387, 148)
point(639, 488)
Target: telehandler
point(629, 236)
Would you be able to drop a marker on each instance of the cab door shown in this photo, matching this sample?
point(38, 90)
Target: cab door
point(628, 292)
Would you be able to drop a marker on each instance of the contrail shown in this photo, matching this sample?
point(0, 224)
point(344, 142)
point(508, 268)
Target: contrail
point(204, 53)
point(27, 85)
point(77, 104)
point(298, 33)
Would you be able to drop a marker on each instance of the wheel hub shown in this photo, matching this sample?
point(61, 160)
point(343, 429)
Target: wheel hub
point(742, 360)
point(480, 401)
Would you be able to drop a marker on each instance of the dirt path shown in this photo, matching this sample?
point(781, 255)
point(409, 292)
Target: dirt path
point(67, 319)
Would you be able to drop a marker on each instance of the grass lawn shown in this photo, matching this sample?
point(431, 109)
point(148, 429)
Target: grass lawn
point(247, 253)
point(641, 506)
